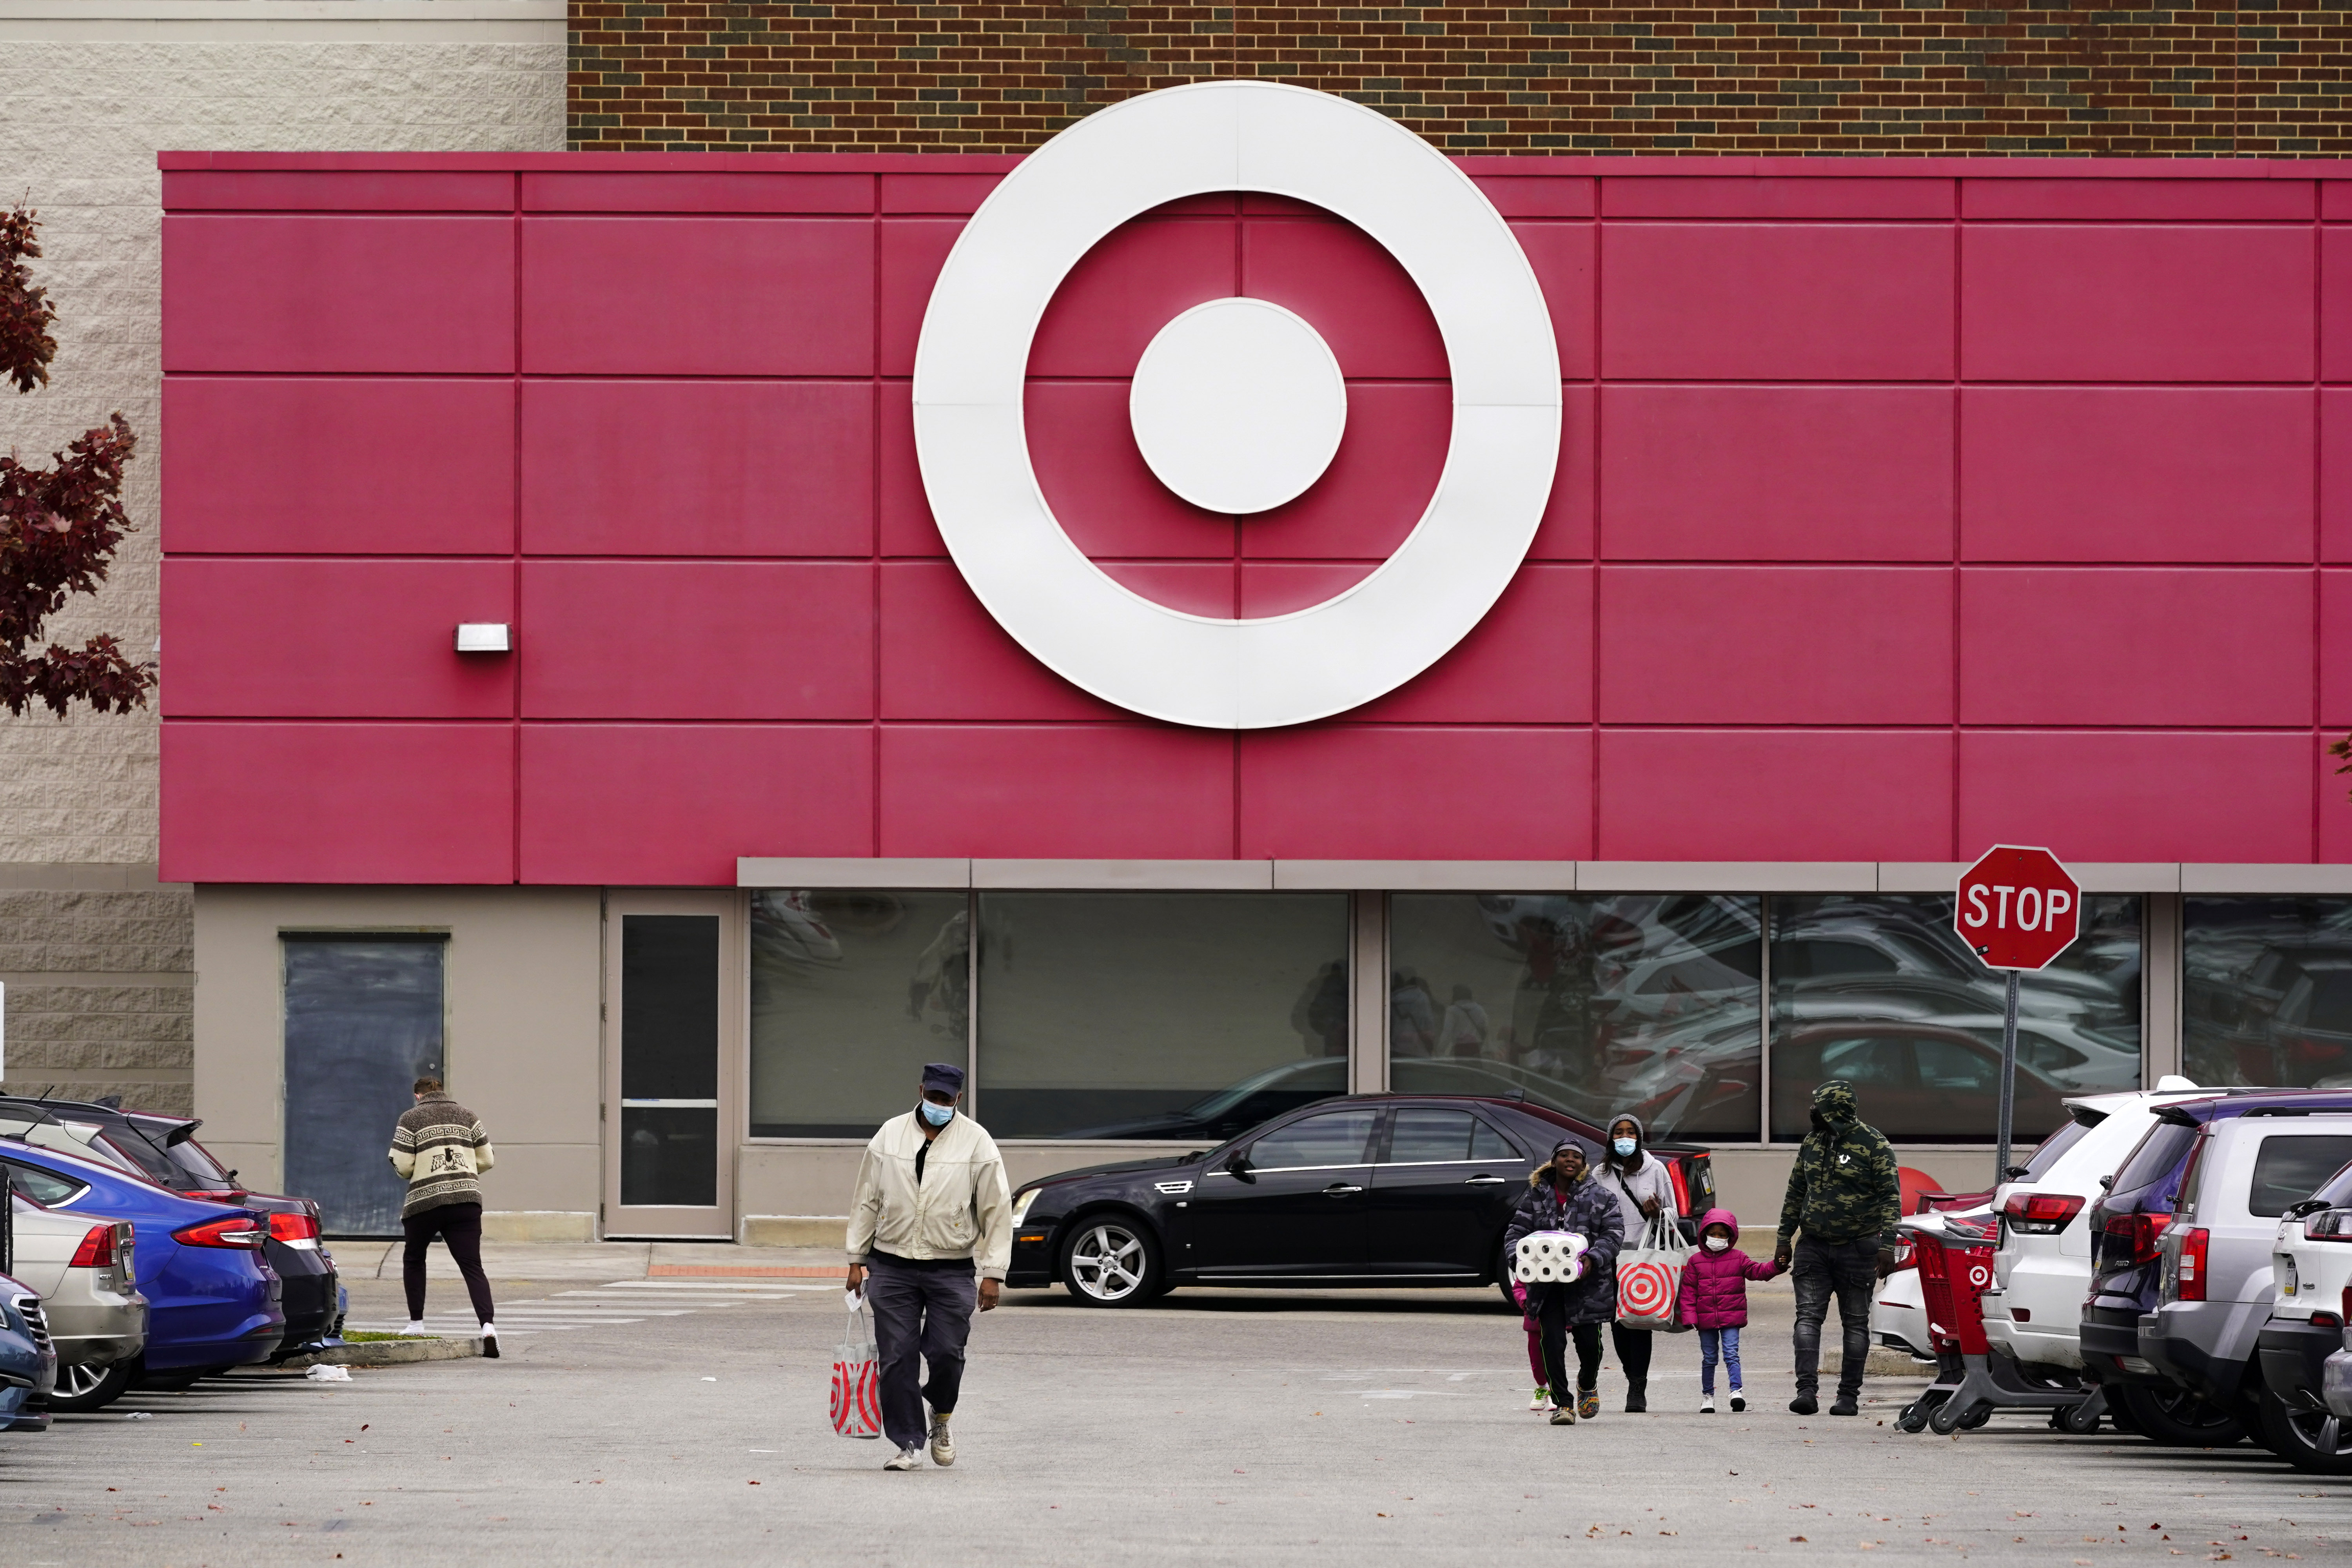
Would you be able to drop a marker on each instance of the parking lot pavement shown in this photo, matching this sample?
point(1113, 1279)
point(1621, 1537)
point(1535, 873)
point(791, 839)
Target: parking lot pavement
point(1218, 1427)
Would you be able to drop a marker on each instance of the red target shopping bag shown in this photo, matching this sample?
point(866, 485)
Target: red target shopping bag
point(1650, 1278)
point(858, 1377)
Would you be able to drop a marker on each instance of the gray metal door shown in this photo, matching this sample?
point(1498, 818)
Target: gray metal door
point(363, 1022)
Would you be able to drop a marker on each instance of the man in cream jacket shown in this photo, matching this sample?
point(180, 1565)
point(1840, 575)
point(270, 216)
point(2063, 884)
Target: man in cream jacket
point(931, 1232)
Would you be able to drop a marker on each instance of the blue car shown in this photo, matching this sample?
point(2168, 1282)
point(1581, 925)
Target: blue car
point(29, 1363)
point(213, 1301)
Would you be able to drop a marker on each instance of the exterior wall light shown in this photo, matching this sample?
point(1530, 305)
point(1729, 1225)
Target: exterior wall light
point(484, 636)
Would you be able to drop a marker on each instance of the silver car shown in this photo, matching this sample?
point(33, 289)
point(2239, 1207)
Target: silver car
point(81, 1267)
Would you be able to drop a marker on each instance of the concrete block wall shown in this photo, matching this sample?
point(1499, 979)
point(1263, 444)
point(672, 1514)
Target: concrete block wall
point(95, 955)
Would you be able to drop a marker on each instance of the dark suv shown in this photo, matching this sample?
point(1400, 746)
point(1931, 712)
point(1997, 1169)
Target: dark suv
point(165, 1151)
point(2127, 1226)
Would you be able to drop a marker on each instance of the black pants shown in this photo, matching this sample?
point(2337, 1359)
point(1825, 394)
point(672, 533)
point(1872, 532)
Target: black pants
point(1551, 1320)
point(1846, 1270)
point(1632, 1355)
point(459, 1226)
point(918, 1313)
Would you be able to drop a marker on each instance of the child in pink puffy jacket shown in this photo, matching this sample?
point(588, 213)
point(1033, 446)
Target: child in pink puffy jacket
point(1715, 1301)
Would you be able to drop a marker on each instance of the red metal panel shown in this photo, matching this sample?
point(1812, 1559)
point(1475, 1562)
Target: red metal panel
point(697, 296)
point(698, 639)
point(1195, 587)
point(673, 805)
point(1083, 792)
point(1529, 662)
point(417, 295)
point(2081, 473)
point(338, 466)
point(2135, 646)
point(1776, 473)
point(262, 190)
point(1746, 645)
point(943, 656)
point(2336, 475)
point(1564, 256)
point(906, 526)
point(2125, 795)
point(909, 254)
point(1539, 195)
point(334, 639)
point(1777, 302)
point(2133, 302)
point(337, 803)
point(1094, 477)
point(709, 192)
point(2335, 649)
point(698, 468)
point(1819, 196)
point(1776, 794)
point(936, 193)
point(2335, 304)
point(1566, 531)
point(2148, 199)
point(2335, 200)
point(1126, 289)
point(1348, 792)
point(1355, 294)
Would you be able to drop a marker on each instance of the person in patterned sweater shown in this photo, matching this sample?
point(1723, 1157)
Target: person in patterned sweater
point(1845, 1197)
point(441, 1150)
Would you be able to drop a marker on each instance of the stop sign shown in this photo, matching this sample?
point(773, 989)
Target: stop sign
point(2018, 908)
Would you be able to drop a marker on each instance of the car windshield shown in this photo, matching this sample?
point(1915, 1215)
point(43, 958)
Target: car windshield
point(2054, 1146)
point(2158, 1156)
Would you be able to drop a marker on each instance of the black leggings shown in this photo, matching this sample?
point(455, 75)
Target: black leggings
point(459, 1226)
point(1633, 1348)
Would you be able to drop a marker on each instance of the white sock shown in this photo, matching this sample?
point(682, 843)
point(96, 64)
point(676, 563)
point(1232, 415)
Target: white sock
point(489, 1331)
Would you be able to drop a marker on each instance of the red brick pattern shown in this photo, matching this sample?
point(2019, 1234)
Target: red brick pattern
point(691, 75)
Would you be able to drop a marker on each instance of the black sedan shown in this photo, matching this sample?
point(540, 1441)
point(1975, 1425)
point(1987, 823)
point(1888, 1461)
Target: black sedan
point(1366, 1191)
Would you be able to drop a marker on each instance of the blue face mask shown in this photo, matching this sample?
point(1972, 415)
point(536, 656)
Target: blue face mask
point(1624, 1147)
point(937, 1115)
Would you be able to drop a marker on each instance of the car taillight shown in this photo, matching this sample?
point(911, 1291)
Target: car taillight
point(2329, 1224)
point(2041, 1213)
point(293, 1227)
point(97, 1249)
point(2348, 1303)
point(235, 1230)
point(1681, 1186)
point(2189, 1267)
point(1906, 1253)
point(2140, 1234)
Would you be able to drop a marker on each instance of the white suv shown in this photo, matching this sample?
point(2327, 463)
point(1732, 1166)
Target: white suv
point(2311, 1263)
point(2043, 1269)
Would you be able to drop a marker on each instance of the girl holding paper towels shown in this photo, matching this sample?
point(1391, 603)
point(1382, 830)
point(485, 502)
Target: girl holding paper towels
point(1637, 1179)
point(1562, 1196)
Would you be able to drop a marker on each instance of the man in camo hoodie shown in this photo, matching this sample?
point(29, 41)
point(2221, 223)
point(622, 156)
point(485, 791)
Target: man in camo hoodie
point(1845, 1197)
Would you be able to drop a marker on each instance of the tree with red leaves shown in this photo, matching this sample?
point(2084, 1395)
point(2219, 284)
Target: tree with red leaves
point(58, 526)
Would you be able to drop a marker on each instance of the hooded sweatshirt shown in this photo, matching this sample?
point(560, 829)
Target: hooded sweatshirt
point(1714, 1284)
point(1631, 1182)
point(1844, 1187)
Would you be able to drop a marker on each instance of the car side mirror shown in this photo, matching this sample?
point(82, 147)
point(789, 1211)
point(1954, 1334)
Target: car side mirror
point(1238, 1165)
point(2106, 1183)
point(2013, 1174)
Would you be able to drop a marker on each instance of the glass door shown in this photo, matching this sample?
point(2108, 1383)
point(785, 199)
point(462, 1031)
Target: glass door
point(669, 1015)
point(363, 1018)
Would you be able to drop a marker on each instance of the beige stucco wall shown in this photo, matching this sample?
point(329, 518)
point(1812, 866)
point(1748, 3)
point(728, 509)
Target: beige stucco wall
point(523, 1035)
point(93, 954)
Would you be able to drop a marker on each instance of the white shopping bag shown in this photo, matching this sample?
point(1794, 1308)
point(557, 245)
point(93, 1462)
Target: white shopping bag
point(858, 1377)
point(1650, 1278)
point(1548, 1258)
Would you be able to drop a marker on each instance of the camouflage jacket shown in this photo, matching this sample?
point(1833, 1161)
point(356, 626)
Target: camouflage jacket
point(1844, 1187)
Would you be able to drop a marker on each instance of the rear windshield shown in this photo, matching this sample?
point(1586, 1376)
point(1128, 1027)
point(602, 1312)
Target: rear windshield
point(198, 1161)
point(2158, 1155)
point(128, 1144)
point(2292, 1166)
point(2056, 1144)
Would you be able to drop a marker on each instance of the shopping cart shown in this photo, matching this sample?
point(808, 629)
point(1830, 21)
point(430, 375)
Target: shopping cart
point(1955, 1255)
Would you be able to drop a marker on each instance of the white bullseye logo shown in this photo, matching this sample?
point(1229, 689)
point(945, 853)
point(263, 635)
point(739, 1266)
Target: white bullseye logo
point(1237, 405)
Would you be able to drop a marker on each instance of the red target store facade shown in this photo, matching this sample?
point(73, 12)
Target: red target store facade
point(1901, 508)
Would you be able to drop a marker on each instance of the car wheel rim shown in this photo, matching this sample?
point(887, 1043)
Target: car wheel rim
point(2316, 1430)
point(73, 1382)
point(1106, 1262)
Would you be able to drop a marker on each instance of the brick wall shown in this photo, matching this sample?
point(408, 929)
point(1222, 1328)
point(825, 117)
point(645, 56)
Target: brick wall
point(2050, 80)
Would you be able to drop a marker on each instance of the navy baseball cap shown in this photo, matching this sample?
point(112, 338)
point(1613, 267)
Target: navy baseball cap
point(943, 1076)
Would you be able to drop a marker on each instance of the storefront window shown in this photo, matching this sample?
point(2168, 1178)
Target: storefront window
point(1593, 1004)
point(852, 992)
point(2267, 992)
point(1176, 1016)
point(1879, 990)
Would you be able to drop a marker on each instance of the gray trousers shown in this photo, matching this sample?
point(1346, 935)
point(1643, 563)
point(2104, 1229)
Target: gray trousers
point(925, 1313)
point(1846, 1270)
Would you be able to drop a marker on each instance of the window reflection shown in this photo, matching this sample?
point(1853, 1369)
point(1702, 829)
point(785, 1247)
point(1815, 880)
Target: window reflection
point(1184, 1016)
point(1879, 990)
point(852, 992)
point(1593, 1004)
point(2267, 992)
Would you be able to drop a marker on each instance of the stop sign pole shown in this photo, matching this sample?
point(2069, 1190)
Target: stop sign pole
point(2018, 909)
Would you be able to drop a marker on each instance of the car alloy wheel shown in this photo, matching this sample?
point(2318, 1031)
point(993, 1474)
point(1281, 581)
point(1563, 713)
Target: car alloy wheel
point(2307, 1439)
point(2178, 1419)
point(1111, 1263)
point(81, 1389)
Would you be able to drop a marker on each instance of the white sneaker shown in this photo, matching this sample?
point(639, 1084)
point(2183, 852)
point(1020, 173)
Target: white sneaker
point(943, 1445)
point(904, 1459)
point(491, 1341)
point(1738, 1403)
point(1706, 1404)
point(1542, 1401)
point(416, 1326)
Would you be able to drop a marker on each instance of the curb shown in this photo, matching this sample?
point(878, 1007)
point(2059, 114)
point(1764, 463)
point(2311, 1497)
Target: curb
point(1885, 1363)
point(386, 1352)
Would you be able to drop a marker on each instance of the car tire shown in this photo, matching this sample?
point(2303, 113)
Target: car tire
point(2306, 1439)
point(1112, 1260)
point(2176, 1419)
point(82, 1389)
point(1510, 1300)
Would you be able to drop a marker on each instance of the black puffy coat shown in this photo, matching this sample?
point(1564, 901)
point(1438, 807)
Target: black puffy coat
point(1591, 1211)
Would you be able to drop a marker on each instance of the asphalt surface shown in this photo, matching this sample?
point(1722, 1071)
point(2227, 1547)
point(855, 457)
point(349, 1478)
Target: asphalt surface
point(1215, 1428)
